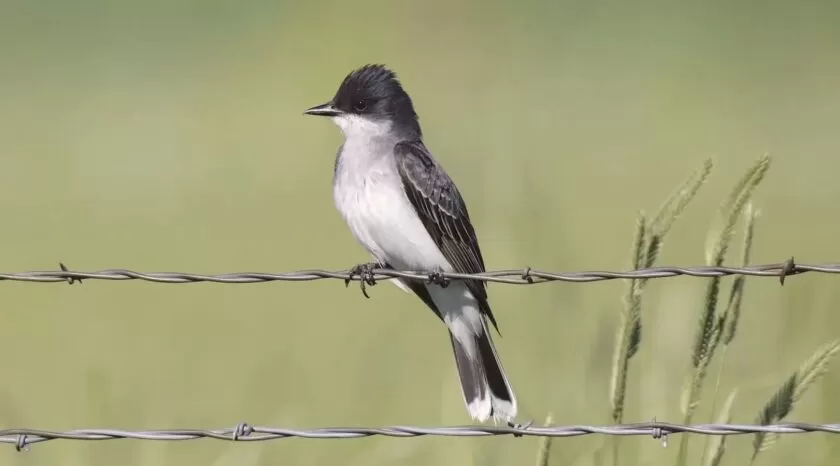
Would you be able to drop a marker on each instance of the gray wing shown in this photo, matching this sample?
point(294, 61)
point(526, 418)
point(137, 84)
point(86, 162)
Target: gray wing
point(444, 214)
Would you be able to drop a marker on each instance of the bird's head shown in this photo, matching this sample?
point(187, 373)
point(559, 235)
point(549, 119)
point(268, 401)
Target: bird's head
point(370, 98)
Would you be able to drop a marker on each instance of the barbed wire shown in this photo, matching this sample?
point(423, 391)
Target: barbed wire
point(22, 438)
point(526, 276)
point(244, 432)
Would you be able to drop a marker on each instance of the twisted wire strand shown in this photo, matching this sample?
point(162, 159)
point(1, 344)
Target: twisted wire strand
point(244, 432)
point(22, 438)
point(526, 276)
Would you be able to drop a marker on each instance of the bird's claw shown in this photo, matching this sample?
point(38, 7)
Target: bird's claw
point(517, 426)
point(437, 278)
point(365, 273)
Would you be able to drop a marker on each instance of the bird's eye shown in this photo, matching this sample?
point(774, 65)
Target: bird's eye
point(360, 106)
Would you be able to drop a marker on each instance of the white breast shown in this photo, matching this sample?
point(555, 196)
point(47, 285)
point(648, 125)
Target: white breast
point(368, 192)
point(369, 195)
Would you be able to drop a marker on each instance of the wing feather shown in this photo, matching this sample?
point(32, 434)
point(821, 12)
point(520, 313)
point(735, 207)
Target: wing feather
point(444, 214)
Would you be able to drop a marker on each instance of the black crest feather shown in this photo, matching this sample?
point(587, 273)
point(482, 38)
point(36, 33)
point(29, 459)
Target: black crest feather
point(375, 91)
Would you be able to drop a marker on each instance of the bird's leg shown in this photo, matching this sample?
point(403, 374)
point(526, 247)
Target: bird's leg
point(437, 278)
point(365, 273)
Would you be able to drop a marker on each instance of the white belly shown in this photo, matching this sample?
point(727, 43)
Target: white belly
point(383, 220)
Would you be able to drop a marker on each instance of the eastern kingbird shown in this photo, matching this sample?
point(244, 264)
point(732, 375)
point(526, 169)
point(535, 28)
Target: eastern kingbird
point(405, 210)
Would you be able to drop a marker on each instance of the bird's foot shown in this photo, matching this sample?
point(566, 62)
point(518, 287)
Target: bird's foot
point(365, 273)
point(437, 278)
point(517, 426)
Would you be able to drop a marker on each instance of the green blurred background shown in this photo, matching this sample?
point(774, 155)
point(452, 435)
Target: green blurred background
point(169, 136)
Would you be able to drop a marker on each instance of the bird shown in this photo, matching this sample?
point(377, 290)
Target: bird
point(405, 210)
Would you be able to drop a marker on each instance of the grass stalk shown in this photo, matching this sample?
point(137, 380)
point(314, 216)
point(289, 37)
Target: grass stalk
point(628, 337)
point(647, 243)
point(712, 323)
point(544, 449)
point(629, 333)
point(733, 307)
point(671, 210)
point(717, 446)
point(783, 401)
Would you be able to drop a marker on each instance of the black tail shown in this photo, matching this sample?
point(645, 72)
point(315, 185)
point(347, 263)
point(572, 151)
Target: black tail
point(486, 389)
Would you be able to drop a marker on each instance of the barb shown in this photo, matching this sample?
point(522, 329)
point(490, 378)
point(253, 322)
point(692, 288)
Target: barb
point(524, 276)
point(21, 438)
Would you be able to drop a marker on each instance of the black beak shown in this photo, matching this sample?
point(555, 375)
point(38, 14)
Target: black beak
point(326, 109)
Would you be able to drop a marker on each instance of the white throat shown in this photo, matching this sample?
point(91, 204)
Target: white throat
point(365, 139)
point(358, 127)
